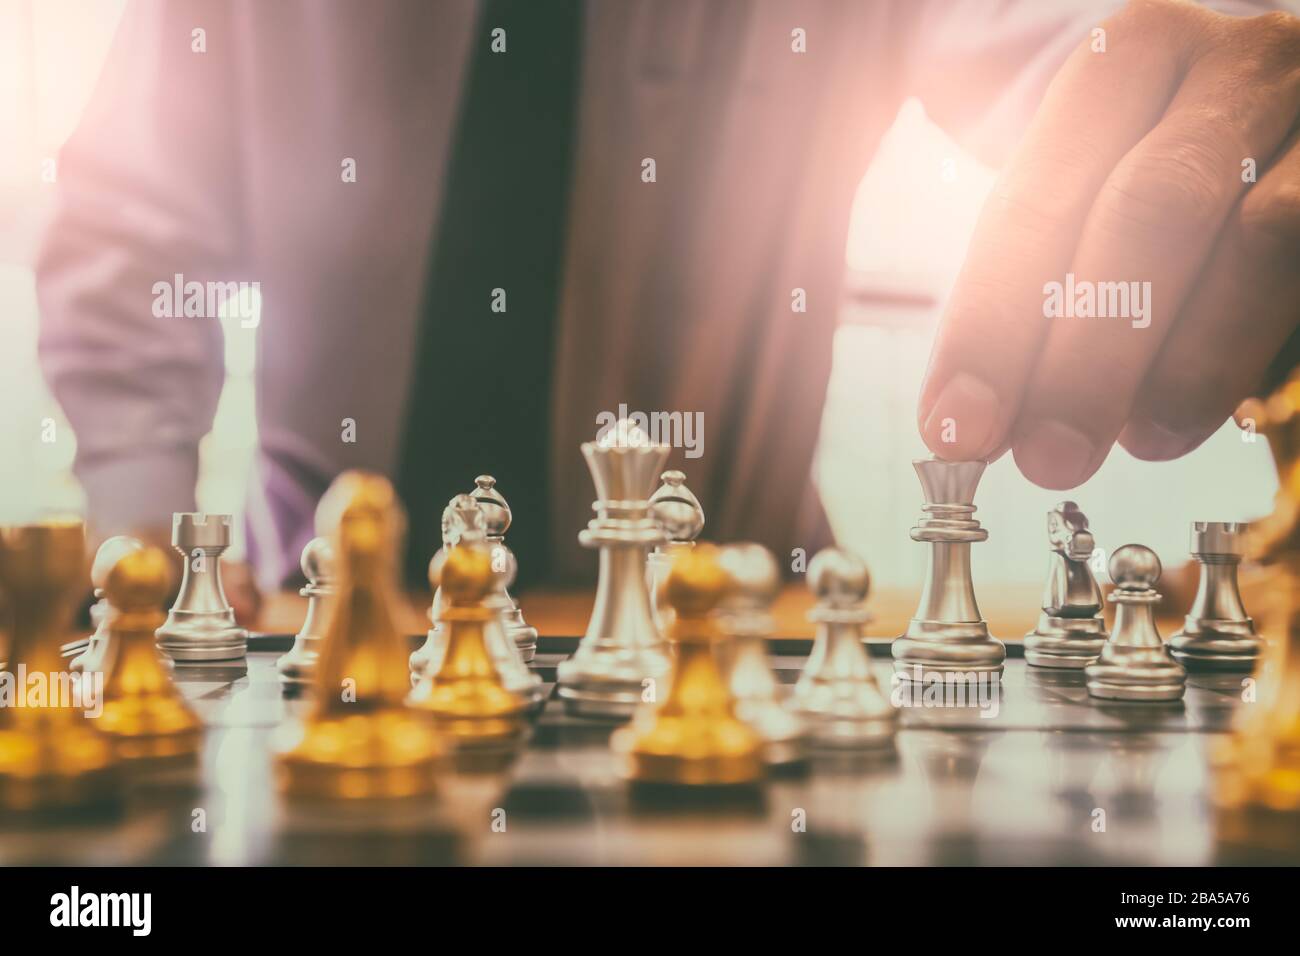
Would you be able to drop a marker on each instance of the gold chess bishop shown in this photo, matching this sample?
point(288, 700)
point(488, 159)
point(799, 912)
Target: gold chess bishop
point(361, 740)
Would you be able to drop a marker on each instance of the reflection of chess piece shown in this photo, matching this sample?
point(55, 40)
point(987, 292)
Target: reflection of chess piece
point(1218, 634)
point(92, 658)
point(622, 653)
point(497, 518)
point(467, 696)
point(677, 509)
point(1135, 665)
point(52, 756)
point(144, 713)
point(948, 634)
point(461, 519)
point(837, 695)
point(693, 735)
point(746, 619)
point(297, 668)
point(361, 740)
point(1258, 786)
point(201, 624)
point(1071, 630)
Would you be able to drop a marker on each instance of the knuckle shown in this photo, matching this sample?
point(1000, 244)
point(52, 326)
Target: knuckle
point(1267, 222)
point(1182, 181)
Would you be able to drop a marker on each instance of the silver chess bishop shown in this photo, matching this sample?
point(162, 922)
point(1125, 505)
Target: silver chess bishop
point(675, 507)
point(1135, 665)
point(106, 557)
point(1218, 634)
point(297, 668)
point(746, 620)
point(622, 655)
point(201, 624)
point(1071, 629)
point(837, 696)
point(497, 517)
point(948, 634)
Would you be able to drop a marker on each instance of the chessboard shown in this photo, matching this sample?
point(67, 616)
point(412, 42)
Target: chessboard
point(1036, 774)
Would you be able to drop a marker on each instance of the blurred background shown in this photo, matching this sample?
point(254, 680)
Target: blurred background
point(912, 219)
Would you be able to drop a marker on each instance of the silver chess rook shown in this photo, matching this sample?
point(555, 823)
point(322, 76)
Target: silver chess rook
point(947, 634)
point(1135, 665)
point(676, 508)
point(1218, 634)
point(622, 652)
point(297, 668)
point(201, 624)
point(1071, 629)
point(497, 518)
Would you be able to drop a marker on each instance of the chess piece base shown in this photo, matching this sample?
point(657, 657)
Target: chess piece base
point(73, 771)
point(783, 734)
point(188, 637)
point(610, 682)
point(297, 668)
point(1065, 643)
point(690, 751)
point(1227, 647)
point(1136, 674)
point(939, 647)
point(385, 754)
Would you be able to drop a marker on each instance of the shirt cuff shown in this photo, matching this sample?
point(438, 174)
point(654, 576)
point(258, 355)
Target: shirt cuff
point(139, 492)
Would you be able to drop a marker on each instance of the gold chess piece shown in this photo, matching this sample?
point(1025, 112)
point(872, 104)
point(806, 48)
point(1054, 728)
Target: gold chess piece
point(361, 740)
point(694, 736)
point(52, 756)
point(468, 698)
point(1259, 766)
point(144, 713)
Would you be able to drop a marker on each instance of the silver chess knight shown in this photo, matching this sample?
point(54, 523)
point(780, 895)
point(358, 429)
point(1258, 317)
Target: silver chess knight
point(746, 620)
point(1071, 630)
point(837, 696)
point(496, 514)
point(947, 634)
point(1218, 634)
point(110, 552)
point(676, 508)
point(297, 668)
point(622, 654)
point(201, 624)
point(1135, 665)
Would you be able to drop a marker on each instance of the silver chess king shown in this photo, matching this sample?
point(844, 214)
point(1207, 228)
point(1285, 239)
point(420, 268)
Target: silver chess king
point(622, 654)
point(947, 633)
point(201, 624)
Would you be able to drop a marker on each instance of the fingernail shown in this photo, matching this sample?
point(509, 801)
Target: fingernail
point(1054, 455)
point(1151, 442)
point(963, 420)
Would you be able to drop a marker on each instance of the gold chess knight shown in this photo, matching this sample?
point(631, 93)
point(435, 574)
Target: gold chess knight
point(692, 736)
point(52, 755)
point(361, 740)
point(1071, 630)
point(201, 624)
point(1259, 765)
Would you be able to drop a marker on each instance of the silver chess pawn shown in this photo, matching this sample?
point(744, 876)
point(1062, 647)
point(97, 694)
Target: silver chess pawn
point(837, 695)
point(622, 654)
point(502, 645)
point(1135, 664)
point(1218, 634)
point(497, 516)
point(1071, 630)
point(462, 519)
point(297, 668)
point(201, 624)
point(676, 508)
point(106, 557)
point(948, 634)
point(746, 620)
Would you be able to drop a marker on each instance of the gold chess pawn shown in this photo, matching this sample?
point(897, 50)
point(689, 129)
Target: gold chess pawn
point(361, 740)
point(144, 713)
point(694, 736)
point(52, 756)
point(469, 701)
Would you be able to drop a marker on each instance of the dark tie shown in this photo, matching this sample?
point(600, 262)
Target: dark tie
point(480, 396)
